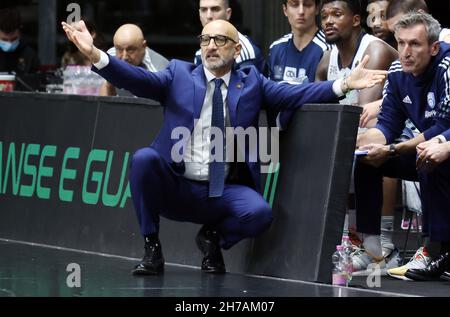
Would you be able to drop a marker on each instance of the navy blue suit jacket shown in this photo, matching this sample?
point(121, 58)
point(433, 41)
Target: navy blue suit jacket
point(181, 90)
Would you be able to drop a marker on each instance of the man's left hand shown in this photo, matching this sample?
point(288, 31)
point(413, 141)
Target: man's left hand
point(424, 145)
point(433, 155)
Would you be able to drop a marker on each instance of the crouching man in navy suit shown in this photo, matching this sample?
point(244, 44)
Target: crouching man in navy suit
point(222, 196)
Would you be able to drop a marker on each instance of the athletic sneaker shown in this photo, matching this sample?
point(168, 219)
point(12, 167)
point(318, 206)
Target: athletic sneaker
point(390, 252)
point(419, 261)
point(361, 261)
point(387, 247)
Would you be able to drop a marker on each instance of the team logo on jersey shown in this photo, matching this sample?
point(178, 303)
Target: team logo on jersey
point(290, 73)
point(278, 72)
point(431, 100)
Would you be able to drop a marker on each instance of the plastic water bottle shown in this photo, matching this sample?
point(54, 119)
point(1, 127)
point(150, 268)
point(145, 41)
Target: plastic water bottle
point(69, 76)
point(348, 250)
point(339, 272)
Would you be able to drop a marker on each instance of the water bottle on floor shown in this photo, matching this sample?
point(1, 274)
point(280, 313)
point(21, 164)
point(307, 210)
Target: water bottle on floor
point(340, 274)
point(348, 250)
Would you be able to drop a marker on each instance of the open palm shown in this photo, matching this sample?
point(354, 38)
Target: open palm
point(362, 77)
point(80, 36)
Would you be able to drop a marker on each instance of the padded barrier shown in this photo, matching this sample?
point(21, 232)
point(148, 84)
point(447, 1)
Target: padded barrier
point(64, 176)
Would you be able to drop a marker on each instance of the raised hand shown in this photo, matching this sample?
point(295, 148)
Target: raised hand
point(80, 36)
point(361, 77)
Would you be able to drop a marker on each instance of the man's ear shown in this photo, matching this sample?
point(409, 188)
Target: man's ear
point(435, 48)
point(284, 9)
point(356, 20)
point(238, 50)
point(229, 12)
point(144, 43)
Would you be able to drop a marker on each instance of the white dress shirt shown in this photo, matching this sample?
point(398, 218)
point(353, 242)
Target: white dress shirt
point(197, 154)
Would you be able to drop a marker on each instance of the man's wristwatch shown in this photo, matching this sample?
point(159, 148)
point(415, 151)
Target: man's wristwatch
point(392, 150)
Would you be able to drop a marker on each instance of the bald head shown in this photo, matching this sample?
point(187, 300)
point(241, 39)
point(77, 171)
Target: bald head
point(129, 32)
point(220, 48)
point(130, 44)
point(221, 27)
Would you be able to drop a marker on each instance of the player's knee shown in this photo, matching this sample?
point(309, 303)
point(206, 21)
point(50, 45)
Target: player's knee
point(144, 157)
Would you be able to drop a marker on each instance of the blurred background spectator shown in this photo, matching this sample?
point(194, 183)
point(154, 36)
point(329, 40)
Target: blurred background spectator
point(15, 54)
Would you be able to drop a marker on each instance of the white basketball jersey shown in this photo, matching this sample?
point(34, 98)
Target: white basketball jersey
point(334, 72)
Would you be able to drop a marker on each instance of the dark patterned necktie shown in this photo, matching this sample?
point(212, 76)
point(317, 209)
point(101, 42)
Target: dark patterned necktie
point(217, 169)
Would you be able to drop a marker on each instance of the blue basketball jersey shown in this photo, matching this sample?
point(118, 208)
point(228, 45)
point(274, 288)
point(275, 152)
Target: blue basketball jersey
point(287, 63)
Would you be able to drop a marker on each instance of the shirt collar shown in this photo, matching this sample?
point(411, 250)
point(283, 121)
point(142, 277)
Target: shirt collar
point(209, 76)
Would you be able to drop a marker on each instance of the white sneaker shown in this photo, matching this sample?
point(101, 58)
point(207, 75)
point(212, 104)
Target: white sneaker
point(392, 259)
point(389, 251)
point(387, 247)
point(362, 260)
point(419, 261)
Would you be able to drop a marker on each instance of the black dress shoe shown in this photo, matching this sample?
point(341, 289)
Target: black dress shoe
point(445, 276)
point(433, 271)
point(208, 242)
point(153, 261)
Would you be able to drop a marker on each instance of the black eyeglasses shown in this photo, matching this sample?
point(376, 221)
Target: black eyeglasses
point(219, 40)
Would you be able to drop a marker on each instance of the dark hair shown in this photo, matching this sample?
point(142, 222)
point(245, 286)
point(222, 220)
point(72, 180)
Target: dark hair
point(404, 6)
point(10, 20)
point(318, 2)
point(354, 5)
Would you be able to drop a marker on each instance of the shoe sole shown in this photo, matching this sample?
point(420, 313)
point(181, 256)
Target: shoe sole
point(420, 278)
point(214, 271)
point(399, 277)
point(144, 271)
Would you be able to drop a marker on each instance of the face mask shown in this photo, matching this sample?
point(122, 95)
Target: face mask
point(9, 46)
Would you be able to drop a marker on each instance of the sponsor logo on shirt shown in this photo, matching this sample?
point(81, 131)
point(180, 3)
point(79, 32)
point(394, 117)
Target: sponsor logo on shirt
point(430, 114)
point(290, 76)
point(431, 100)
point(290, 73)
point(407, 100)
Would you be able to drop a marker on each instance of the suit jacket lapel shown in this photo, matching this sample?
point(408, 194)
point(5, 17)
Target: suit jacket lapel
point(199, 90)
point(234, 93)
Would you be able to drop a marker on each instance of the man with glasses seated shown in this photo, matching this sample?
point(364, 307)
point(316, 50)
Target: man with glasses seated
point(131, 47)
point(195, 177)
